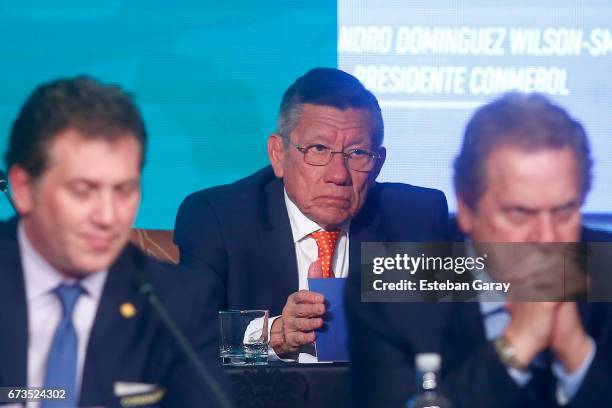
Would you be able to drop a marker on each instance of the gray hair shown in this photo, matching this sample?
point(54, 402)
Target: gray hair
point(328, 87)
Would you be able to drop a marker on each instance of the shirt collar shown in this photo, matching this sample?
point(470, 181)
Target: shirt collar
point(41, 278)
point(302, 226)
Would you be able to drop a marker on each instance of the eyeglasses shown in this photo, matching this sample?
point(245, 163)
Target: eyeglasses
point(321, 155)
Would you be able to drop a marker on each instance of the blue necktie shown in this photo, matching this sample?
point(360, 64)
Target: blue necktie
point(62, 360)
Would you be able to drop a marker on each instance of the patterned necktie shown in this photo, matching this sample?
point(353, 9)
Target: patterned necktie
point(326, 242)
point(62, 360)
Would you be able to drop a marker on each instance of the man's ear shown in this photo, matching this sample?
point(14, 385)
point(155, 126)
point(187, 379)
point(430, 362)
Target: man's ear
point(22, 186)
point(276, 153)
point(465, 215)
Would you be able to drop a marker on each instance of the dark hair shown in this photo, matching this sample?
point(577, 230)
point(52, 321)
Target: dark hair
point(328, 87)
point(530, 122)
point(81, 103)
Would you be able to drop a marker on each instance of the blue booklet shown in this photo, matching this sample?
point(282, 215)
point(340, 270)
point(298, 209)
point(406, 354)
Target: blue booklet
point(332, 337)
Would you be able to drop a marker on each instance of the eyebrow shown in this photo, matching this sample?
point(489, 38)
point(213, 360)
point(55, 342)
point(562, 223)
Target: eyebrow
point(569, 204)
point(520, 207)
point(96, 183)
point(530, 210)
point(320, 138)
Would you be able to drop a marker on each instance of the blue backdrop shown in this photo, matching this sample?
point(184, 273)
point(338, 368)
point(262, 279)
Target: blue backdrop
point(208, 76)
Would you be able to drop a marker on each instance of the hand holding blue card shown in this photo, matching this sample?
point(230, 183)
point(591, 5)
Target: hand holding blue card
point(331, 339)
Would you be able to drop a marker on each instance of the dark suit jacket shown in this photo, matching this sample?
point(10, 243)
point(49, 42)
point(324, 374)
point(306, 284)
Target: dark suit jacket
point(138, 349)
point(242, 233)
point(386, 336)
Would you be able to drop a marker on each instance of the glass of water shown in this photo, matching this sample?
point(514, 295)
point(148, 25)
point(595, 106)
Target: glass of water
point(244, 337)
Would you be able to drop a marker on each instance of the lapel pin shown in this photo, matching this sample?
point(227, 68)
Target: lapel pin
point(127, 310)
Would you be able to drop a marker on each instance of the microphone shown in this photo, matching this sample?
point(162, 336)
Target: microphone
point(147, 290)
point(4, 189)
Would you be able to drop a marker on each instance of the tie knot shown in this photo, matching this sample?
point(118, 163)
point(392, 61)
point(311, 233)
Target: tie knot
point(326, 242)
point(68, 295)
point(326, 239)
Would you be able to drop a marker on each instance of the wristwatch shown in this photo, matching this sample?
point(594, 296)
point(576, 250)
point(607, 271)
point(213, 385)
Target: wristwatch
point(507, 353)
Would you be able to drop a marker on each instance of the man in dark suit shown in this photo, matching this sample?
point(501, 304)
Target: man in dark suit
point(521, 176)
point(73, 314)
point(264, 235)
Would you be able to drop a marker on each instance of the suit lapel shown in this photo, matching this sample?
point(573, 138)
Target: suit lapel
point(274, 250)
point(112, 336)
point(365, 228)
point(13, 312)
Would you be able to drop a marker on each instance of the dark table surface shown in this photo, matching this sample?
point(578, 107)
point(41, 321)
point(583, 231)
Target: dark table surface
point(290, 385)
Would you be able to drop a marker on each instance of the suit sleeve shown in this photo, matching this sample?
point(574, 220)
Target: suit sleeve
point(483, 381)
point(198, 234)
point(385, 338)
point(595, 389)
point(440, 216)
point(381, 374)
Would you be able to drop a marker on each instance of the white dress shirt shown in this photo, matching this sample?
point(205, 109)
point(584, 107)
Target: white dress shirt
point(306, 252)
point(44, 310)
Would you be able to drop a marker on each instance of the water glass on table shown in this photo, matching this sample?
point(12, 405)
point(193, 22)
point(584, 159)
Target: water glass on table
point(244, 337)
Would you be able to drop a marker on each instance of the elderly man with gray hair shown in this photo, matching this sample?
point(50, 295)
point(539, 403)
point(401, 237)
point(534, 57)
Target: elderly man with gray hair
point(307, 213)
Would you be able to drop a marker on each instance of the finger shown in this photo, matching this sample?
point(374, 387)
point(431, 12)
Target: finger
point(315, 270)
point(308, 310)
point(303, 324)
point(306, 296)
point(553, 329)
point(297, 339)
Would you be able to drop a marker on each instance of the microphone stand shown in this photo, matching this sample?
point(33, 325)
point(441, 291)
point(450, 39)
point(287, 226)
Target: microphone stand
point(4, 189)
point(147, 290)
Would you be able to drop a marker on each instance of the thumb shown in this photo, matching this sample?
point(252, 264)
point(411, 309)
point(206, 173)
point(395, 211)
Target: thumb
point(315, 270)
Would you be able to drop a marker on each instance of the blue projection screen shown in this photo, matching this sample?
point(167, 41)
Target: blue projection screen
point(432, 63)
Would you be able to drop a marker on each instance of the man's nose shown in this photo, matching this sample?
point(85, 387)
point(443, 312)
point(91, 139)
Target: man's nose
point(337, 170)
point(105, 210)
point(544, 228)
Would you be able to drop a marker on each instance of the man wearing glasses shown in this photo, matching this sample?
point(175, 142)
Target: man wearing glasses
point(306, 214)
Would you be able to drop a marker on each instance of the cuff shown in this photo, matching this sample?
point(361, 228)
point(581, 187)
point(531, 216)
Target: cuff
point(521, 378)
point(272, 356)
point(569, 384)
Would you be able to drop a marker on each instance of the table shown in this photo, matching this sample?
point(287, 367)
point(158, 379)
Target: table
point(290, 385)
